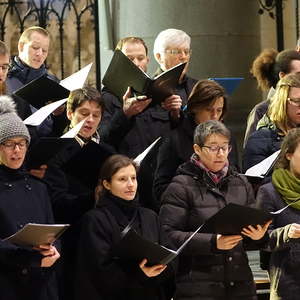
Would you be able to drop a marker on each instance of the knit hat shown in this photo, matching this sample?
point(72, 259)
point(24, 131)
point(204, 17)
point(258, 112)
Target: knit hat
point(11, 124)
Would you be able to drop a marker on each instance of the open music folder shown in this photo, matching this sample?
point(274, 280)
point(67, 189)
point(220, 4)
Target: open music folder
point(37, 234)
point(135, 247)
point(123, 73)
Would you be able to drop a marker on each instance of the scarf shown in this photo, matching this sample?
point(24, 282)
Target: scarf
point(215, 176)
point(127, 207)
point(288, 186)
point(23, 72)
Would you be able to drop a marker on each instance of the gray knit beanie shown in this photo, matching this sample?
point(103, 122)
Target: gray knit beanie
point(11, 124)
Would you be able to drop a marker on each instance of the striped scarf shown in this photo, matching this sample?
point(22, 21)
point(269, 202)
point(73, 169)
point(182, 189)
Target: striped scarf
point(215, 176)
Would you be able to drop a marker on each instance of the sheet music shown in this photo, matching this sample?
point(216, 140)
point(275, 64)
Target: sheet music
point(40, 115)
point(74, 131)
point(260, 169)
point(76, 80)
point(142, 155)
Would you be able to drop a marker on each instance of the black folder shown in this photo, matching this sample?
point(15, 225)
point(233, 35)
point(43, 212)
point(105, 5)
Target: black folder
point(41, 90)
point(37, 234)
point(86, 163)
point(231, 219)
point(135, 248)
point(45, 149)
point(122, 73)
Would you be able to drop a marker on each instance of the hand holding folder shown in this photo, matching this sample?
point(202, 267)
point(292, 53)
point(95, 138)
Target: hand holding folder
point(123, 73)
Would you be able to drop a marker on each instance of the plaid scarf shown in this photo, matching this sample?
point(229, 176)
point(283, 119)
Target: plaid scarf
point(215, 176)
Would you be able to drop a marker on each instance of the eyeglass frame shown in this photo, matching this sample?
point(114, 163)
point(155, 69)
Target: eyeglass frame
point(4, 67)
point(186, 52)
point(216, 149)
point(12, 145)
point(293, 102)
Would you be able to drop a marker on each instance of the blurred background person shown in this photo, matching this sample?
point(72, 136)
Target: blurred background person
point(283, 114)
point(284, 266)
point(268, 68)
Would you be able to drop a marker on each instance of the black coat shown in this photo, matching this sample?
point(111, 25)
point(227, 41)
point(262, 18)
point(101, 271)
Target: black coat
point(132, 136)
point(176, 149)
point(23, 199)
point(103, 276)
point(284, 266)
point(204, 271)
point(260, 145)
point(72, 175)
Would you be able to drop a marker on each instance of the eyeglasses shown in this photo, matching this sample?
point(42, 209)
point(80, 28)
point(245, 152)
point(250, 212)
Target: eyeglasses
point(12, 145)
point(4, 67)
point(186, 52)
point(294, 101)
point(216, 149)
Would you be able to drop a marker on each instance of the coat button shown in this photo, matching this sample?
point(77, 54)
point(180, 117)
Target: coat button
point(24, 271)
point(231, 283)
point(230, 258)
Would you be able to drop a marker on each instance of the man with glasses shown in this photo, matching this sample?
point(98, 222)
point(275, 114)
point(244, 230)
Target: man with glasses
point(172, 47)
point(22, 107)
point(132, 125)
point(4, 63)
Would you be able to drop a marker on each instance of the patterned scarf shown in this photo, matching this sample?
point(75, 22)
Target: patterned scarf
point(287, 185)
point(215, 176)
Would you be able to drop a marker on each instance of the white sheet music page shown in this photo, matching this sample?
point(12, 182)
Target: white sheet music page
point(76, 80)
point(40, 115)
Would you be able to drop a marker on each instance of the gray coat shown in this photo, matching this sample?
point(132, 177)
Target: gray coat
point(285, 257)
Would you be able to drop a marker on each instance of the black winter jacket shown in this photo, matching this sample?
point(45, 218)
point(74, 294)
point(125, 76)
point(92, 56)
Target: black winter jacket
point(23, 199)
point(204, 271)
point(260, 145)
point(132, 136)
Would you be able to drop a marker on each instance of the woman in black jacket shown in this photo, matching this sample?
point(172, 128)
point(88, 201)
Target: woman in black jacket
point(25, 272)
point(101, 274)
point(284, 267)
point(212, 266)
point(206, 102)
point(283, 115)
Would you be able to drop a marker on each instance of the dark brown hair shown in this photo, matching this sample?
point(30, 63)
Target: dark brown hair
point(289, 145)
point(110, 167)
point(88, 93)
point(269, 63)
point(203, 95)
point(263, 69)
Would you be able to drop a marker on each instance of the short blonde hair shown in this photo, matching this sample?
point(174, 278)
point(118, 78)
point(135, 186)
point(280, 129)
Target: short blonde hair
point(25, 36)
point(277, 111)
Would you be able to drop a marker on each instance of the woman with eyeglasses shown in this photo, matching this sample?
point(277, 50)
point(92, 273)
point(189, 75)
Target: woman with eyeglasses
point(284, 266)
point(283, 115)
point(207, 101)
point(212, 266)
point(25, 272)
